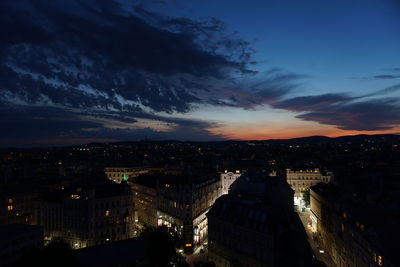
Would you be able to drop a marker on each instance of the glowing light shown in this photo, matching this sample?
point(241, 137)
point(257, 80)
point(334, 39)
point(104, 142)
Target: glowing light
point(188, 245)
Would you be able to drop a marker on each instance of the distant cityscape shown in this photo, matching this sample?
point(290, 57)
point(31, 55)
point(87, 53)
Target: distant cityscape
point(312, 201)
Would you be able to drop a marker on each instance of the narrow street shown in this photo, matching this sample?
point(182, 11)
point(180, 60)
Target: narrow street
point(197, 256)
point(319, 251)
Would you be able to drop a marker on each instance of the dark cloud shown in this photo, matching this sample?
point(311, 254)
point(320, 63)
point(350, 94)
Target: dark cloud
point(70, 65)
point(346, 112)
point(391, 69)
point(31, 126)
point(387, 76)
point(388, 90)
point(96, 44)
point(38, 126)
point(306, 103)
point(93, 53)
point(364, 116)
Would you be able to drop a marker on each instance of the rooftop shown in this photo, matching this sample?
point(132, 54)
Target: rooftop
point(16, 229)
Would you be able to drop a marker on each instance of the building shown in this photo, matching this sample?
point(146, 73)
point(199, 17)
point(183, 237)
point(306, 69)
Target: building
point(301, 181)
point(119, 174)
point(255, 225)
point(88, 214)
point(17, 207)
point(177, 201)
point(227, 178)
point(145, 199)
point(354, 232)
point(16, 239)
point(123, 253)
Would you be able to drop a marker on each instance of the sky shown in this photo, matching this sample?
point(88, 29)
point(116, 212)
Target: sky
point(80, 71)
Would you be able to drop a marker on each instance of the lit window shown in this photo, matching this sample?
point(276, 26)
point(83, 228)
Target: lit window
point(107, 212)
point(380, 260)
point(10, 200)
point(10, 207)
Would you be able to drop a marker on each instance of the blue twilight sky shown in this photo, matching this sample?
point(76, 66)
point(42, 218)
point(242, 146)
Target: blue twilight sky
point(331, 41)
point(106, 70)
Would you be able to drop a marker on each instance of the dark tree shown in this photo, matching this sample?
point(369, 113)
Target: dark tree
point(162, 250)
point(306, 198)
point(56, 253)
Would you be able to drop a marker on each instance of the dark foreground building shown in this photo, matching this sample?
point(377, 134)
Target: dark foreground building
point(179, 202)
point(355, 232)
point(124, 253)
point(16, 239)
point(255, 225)
point(92, 212)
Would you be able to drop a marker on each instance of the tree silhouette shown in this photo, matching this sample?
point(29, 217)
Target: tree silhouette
point(163, 244)
point(56, 253)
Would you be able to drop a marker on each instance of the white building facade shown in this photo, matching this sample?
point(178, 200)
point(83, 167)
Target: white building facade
point(227, 178)
point(302, 180)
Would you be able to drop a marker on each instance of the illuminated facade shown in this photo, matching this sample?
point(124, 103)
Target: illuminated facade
point(302, 181)
point(119, 174)
point(352, 233)
point(255, 225)
point(87, 217)
point(145, 199)
point(227, 178)
point(177, 201)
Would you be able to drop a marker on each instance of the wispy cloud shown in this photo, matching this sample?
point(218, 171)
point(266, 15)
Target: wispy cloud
point(98, 56)
point(347, 112)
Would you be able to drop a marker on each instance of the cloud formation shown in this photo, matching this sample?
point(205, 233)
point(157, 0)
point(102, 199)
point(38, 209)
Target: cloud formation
point(347, 112)
point(387, 76)
point(49, 126)
point(102, 70)
point(99, 56)
point(390, 73)
point(95, 54)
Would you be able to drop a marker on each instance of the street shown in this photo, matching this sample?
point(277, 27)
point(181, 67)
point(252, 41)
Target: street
point(319, 251)
point(197, 256)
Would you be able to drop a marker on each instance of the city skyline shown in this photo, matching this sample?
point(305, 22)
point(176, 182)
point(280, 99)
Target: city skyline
point(80, 71)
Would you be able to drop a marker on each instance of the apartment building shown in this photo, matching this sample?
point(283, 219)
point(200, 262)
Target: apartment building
point(177, 201)
point(255, 226)
point(87, 215)
point(302, 180)
point(354, 232)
